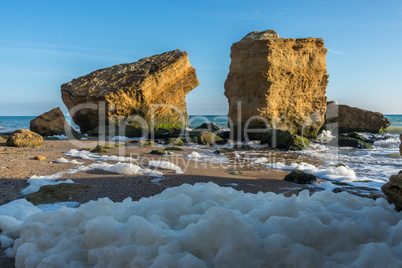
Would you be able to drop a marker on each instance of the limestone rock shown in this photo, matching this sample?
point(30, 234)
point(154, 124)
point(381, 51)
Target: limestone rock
point(300, 177)
point(393, 190)
point(174, 142)
point(208, 138)
point(285, 140)
point(51, 123)
point(352, 119)
point(39, 158)
point(282, 80)
point(24, 138)
point(132, 89)
point(343, 141)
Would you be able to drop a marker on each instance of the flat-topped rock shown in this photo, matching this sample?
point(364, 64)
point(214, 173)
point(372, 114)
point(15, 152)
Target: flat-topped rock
point(132, 89)
point(280, 82)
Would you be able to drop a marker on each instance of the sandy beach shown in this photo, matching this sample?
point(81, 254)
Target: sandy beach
point(18, 165)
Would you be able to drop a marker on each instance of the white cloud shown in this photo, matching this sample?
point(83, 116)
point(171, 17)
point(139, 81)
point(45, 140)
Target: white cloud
point(335, 52)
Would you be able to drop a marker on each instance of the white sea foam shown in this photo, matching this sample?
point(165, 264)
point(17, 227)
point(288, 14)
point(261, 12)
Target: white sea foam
point(208, 226)
point(60, 137)
point(194, 155)
point(166, 165)
point(86, 155)
point(394, 141)
point(325, 136)
point(340, 173)
point(260, 160)
point(120, 138)
point(65, 161)
point(125, 168)
point(35, 182)
point(57, 206)
point(207, 157)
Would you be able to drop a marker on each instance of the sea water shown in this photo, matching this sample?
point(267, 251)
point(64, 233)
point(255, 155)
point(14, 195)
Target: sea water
point(11, 123)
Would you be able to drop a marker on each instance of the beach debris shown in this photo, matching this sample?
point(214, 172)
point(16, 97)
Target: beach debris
point(24, 138)
point(51, 123)
point(209, 138)
point(40, 158)
point(351, 119)
point(277, 81)
point(285, 140)
point(148, 87)
point(300, 177)
point(57, 193)
point(393, 190)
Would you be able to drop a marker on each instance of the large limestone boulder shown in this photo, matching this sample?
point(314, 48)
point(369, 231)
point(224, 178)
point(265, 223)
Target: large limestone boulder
point(24, 138)
point(51, 123)
point(131, 89)
point(393, 190)
point(351, 119)
point(281, 80)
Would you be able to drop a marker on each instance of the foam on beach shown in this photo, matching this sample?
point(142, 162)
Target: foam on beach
point(87, 155)
point(125, 168)
point(62, 160)
point(206, 225)
point(209, 157)
point(165, 165)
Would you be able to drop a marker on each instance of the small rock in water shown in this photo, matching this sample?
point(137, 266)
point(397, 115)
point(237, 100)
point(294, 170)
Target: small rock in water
point(300, 177)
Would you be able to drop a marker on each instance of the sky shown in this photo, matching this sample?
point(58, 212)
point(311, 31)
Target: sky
point(44, 44)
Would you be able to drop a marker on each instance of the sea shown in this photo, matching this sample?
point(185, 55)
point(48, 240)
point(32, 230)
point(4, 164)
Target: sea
point(357, 167)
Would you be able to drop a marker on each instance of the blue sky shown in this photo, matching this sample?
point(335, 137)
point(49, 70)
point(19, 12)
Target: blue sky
point(44, 44)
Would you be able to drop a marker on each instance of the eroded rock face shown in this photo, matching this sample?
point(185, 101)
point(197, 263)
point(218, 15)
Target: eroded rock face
point(51, 123)
point(132, 89)
point(280, 79)
point(393, 190)
point(352, 119)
